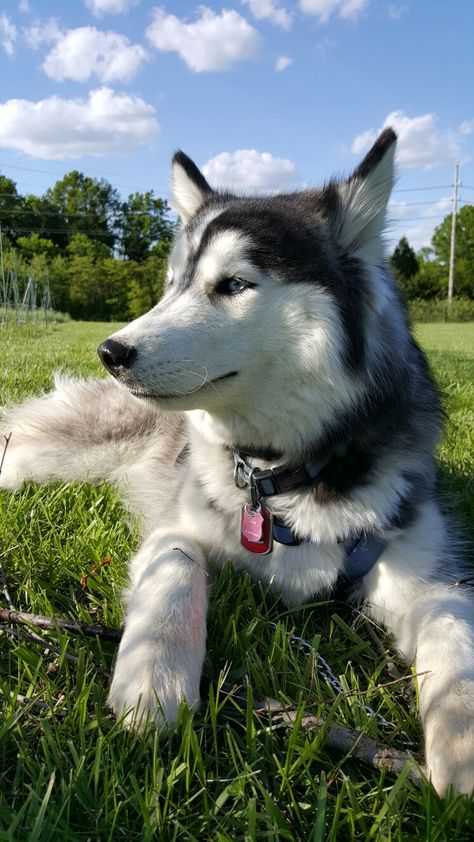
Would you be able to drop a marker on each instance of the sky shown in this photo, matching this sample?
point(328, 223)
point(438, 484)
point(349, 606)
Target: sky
point(262, 94)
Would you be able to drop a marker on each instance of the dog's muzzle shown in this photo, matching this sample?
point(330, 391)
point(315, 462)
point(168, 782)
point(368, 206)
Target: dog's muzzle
point(114, 355)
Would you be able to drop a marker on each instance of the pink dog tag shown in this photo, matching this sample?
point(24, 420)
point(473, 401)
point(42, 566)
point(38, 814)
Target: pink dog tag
point(256, 528)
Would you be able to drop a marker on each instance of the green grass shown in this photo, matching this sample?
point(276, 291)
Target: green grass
point(222, 775)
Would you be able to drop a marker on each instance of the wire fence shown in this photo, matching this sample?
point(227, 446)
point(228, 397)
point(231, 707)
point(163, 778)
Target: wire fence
point(24, 299)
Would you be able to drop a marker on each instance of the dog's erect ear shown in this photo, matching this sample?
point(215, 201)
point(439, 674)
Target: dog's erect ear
point(189, 187)
point(363, 200)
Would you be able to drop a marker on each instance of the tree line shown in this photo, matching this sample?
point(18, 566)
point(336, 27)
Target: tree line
point(424, 275)
point(105, 258)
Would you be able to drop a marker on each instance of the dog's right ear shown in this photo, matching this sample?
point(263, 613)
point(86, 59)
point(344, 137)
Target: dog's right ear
point(189, 187)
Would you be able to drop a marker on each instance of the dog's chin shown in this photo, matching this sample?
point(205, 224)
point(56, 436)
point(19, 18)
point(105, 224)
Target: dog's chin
point(198, 398)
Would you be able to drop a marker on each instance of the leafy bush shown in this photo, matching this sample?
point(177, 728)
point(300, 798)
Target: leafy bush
point(459, 310)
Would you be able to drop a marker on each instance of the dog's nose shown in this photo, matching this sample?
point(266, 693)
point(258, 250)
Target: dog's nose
point(114, 355)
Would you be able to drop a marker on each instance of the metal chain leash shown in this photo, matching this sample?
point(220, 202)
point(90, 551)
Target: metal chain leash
point(333, 681)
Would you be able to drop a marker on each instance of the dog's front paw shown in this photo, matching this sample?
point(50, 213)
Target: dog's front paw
point(150, 694)
point(450, 741)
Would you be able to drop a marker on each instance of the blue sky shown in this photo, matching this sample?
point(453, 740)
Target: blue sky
point(261, 93)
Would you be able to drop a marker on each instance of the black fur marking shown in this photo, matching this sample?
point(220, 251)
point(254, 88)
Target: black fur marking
point(376, 153)
point(267, 454)
point(192, 171)
point(183, 455)
point(402, 413)
point(406, 515)
point(292, 240)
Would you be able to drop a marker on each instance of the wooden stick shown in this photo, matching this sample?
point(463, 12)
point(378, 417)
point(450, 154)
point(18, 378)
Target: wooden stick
point(48, 647)
point(71, 626)
point(344, 740)
point(338, 737)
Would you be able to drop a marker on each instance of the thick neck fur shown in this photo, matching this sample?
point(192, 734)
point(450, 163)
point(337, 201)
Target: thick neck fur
point(395, 403)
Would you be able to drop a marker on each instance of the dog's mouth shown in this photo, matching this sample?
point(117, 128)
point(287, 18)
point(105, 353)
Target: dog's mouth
point(143, 393)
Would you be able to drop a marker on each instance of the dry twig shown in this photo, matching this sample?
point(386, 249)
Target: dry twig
point(7, 615)
point(337, 737)
point(342, 739)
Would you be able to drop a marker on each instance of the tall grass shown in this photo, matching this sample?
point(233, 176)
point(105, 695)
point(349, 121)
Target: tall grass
point(70, 772)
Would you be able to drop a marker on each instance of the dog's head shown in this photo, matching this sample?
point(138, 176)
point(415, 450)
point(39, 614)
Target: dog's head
point(267, 298)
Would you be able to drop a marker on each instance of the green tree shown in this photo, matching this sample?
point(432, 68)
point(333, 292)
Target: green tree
point(403, 262)
point(10, 208)
point(441, 240)
point(147, 282)
point(431, 281)
point(59, 283)
point(97, 283)
point(464, 265)
point(34, 245)
point(143, 223)
point(87, 206)
point(40, 216)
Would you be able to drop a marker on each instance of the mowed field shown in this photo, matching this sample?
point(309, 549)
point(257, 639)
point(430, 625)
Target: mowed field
point(70, 772)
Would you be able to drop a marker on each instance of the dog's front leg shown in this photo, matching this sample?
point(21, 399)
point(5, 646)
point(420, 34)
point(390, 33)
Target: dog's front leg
point(440, 625)
point(160, 657)
point(433, 622)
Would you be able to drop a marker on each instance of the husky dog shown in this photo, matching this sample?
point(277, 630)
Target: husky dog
point(273, 409)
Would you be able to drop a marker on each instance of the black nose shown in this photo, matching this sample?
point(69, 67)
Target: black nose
point(114, 355)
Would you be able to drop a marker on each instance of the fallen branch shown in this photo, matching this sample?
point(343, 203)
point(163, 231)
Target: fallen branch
point(26, 700)
point(48, 647)
point(342, 739)
point(7, 615)
point(338, 737)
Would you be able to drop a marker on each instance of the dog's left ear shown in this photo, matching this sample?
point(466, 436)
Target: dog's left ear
point(189, 187)
point(363, 200)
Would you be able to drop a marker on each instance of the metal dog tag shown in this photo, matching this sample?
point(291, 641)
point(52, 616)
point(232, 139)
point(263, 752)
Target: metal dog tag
point(256, 528)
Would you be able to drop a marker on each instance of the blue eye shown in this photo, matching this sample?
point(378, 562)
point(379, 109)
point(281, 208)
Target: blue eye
point(232, 286)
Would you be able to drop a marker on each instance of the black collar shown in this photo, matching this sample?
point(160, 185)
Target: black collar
point(279, 480)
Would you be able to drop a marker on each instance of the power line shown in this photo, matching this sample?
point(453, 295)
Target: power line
point(84, 215)
point(32, 210)
point(98, 232)
point(413, 189)
point(411, 204)
point(90, 169)
point(415, 218)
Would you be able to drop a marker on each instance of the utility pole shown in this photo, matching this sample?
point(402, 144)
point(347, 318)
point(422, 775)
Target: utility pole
point(452, 255)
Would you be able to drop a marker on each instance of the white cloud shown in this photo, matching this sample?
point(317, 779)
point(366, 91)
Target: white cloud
point(269, 10)
point(23, 6)
point(396, 10)
point(282, 63)
point(419, 236)
point(42, 33)
point(401, 210)
point(109, 7)
point(363, 141)
point(466, 127)
point(8, 33)
point(84, 52)
point(420, 142)
point(249, 170)
point(419, 233)
point(212, 42)
point(325, 9)
point(324, 47)
point(106, 123)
